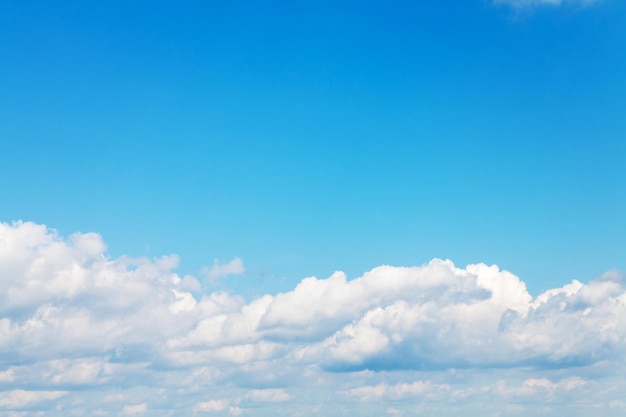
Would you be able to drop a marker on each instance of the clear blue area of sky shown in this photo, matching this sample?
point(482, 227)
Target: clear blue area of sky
point(309, 137)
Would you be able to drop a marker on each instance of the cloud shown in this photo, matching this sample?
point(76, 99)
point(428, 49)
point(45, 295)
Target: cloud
point(210, 406)
point(235, 411)
point(115, 397)
point(232, 267)
point(8, 375)
point(19, 398)
point(398, 391)
point(135, 409)
point(268, 395)
point(531, 3)
point(420, 336)
point(536, 390)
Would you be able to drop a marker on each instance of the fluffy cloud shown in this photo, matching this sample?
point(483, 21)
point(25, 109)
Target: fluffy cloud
point(216, 406)
point(210, 406)
point(128, 329)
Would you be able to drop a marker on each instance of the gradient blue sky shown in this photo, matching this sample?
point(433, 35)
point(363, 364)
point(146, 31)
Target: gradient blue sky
point(268, 141)
point(307, 137)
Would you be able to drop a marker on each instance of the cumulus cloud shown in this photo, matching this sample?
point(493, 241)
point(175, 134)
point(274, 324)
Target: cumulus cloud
point(8, 375)
point(217, 406)
point(71, 316)
point(210, 406)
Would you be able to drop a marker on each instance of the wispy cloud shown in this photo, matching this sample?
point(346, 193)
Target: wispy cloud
point(268, 395)
point(218, 269)
point(135, 409)
point(19, 398)
point(530, 3)
point(432, 334)
point(398, 391)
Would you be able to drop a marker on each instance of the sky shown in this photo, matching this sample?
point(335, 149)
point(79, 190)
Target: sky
point(312, 208)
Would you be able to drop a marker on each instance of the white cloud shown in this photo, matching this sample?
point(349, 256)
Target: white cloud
point(378, 392)
point(8, 375)
point(79, 371)
point(135, 409)
point(235, 411)
point(232, 267)
point(529, 3)
point(210, 406)
point(541, 390)
point(117, 397)
point(268, 395)
point(70, 316)
point(19, 398)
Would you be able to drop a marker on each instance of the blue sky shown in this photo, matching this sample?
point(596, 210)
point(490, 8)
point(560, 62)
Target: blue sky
point(315, 137)
point(266, 142)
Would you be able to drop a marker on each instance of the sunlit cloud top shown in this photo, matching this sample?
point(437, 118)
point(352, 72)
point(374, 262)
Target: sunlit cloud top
point(138, 338)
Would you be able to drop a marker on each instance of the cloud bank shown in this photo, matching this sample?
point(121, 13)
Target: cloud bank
point(86, 334)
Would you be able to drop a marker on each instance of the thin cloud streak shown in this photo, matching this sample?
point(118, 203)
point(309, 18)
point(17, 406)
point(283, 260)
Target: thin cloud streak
point(232, 267)
point(531, 3)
